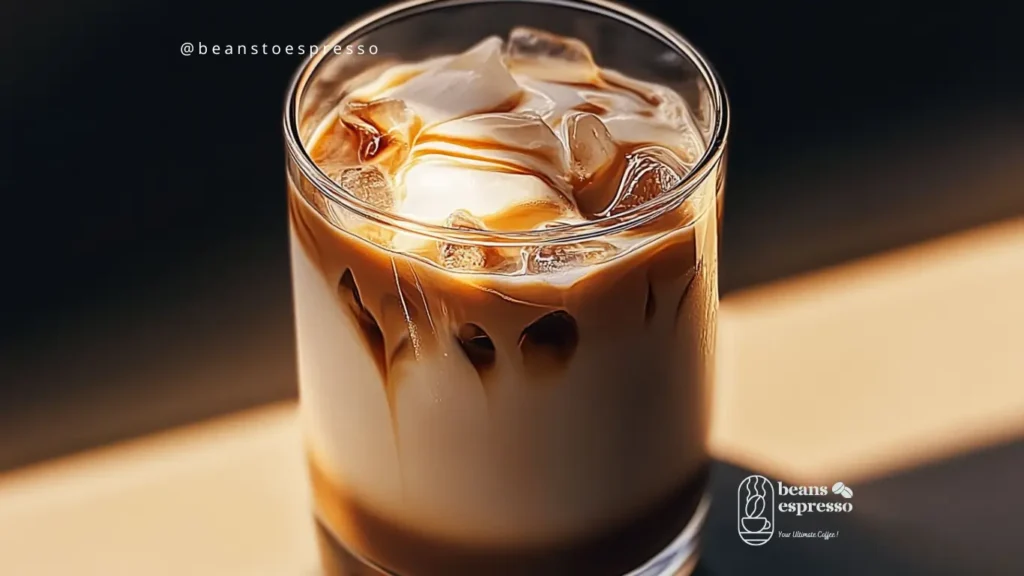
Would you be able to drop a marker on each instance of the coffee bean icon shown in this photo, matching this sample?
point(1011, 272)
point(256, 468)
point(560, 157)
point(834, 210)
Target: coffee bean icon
point(842, 489)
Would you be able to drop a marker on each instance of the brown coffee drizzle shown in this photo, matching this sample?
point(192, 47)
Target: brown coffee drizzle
point(525, 216)
point(493, 164)
point(474, 144)
point(650, 306)
point(696, 278)
point(592, 108)
point(478, 347)
point(550, 341)
point(604, 83)
point(508, 105)
point(368, 327)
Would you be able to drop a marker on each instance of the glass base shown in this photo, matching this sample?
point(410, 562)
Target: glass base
point(678, 559)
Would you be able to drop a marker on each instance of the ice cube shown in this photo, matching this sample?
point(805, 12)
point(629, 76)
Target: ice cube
point(463, 256)
point(384, 128)
point(550, 258)
point(591, 146)
point(646, 113)
point(473, 82)
point(641, 130)
point(549, 100)
point(673, 110)
point(547, 56)
point(650, 171)
point(463, 220)
point(691, 147)
point(368, 184)
point(595, 160)
point(332, 145)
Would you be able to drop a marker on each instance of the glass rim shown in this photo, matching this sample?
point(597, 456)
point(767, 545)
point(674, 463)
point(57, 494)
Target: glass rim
point(555, 234)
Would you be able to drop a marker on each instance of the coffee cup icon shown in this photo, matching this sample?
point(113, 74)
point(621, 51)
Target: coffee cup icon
point(755, 510)
point(756, 524)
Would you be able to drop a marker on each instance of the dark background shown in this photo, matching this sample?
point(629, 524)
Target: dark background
point(144, 239)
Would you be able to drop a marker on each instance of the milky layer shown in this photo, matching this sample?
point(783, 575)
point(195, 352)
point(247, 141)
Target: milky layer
point(493, 132)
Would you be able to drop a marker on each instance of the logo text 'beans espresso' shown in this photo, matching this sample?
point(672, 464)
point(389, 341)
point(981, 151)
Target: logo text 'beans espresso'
point(801, 508)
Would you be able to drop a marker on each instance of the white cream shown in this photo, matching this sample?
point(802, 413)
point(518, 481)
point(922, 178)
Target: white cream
point(450, 171)
point(430, 199)
point(472, 82)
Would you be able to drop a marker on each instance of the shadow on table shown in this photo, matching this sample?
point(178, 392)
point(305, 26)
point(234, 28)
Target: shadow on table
point(955, 517)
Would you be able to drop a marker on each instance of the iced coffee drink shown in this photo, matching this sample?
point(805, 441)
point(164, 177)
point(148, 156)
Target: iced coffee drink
point(505, 306)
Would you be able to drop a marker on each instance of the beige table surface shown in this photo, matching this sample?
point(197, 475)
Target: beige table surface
point(849, 373)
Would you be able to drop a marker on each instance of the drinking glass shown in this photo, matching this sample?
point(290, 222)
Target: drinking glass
point(543, 411)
